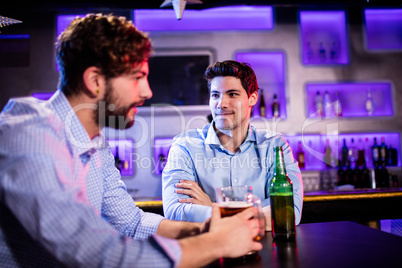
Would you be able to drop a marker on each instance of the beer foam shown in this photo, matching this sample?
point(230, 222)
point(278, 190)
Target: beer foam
point(235, 204)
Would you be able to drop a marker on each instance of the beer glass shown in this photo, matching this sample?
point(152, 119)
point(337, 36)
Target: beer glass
point(234, 199)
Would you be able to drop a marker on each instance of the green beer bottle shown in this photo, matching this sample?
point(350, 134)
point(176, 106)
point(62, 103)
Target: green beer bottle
point(282, 204)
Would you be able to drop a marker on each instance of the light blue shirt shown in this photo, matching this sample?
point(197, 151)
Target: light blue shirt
point(197, 155)
point(62, 201)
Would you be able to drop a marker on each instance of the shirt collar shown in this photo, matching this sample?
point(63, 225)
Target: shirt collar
point(75, 132)
point(212, 138)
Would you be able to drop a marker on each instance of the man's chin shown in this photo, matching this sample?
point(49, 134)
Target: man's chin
point(119, 124)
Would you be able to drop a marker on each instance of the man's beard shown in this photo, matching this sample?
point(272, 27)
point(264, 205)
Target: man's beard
point(108, 114)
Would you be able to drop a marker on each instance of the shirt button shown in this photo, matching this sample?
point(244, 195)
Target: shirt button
point(235, 180)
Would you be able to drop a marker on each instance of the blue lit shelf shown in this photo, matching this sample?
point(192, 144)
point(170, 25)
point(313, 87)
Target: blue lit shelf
point(383, 29)
point(323, 37)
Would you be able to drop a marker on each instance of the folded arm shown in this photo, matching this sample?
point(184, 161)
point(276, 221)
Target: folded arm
point(181, 168)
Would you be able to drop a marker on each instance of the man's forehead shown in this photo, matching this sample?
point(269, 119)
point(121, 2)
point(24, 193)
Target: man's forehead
point(226, 83)
point(140, 67)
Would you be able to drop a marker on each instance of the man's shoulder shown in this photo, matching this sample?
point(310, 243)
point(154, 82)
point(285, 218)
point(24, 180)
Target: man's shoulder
point(24, 110)
point(192, 136)
point(28, 121)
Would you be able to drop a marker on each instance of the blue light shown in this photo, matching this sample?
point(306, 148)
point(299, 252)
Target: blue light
point(15, 36)
point(64, 20)
point(42, 95)
point(383, 28)
point(323, 37)
point(222, 18)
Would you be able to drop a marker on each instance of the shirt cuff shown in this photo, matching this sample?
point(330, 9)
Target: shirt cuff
point(148, 226)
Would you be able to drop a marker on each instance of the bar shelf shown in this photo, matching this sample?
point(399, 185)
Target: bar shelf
point(125, 152)
point(161, 151)
point(323, 38)
point(313, 146)
point(383, 29)
point(353, 98)
point(269, 67)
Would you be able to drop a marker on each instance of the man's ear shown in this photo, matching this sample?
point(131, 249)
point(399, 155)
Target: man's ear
point(252, 100)
point(94, 81)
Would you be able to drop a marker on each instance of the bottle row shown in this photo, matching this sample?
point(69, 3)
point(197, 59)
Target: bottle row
point(321, 54)
point(313, 152)
point(362, 177)
point(328, 108)
point(316, 152)
point(349, 99)
point(334, 100)
point(344, 178)
point(262, 108)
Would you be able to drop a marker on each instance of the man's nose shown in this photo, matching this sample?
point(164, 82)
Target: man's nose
point(222, 103)
point(146, 92)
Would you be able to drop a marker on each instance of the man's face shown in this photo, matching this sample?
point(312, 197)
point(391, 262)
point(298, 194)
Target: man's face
point(229, 103)
point(123, 94)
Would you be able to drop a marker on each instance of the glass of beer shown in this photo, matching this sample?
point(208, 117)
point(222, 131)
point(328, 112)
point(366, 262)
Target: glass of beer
point(234, 199)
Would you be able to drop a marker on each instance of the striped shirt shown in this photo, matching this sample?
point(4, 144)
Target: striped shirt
point(62, 201)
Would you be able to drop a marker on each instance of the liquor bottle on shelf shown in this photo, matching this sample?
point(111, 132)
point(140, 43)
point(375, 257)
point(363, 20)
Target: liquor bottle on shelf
point(337, 105)
point(334, 52)
point(369, 103)
point(309, 162)
point(161, 160)
point(262, 106)
point(344, 154)
point(351, 176)
point(125, 165)
point(309, 53)
point(275, 107)
point(368, 151)
point(342, 175)
point(352, 154)
point(361, 161)
point(335, 155)
point(366, 180)
point(381, 177)
point(362, 177)
point(117, 160)
point(383, 152)
point(328, 155)
point(300, 156)
point(375, 152)
point(327, 105)
point(322, 52)
point(392, 156)
point(282, 203)
point(318, 104)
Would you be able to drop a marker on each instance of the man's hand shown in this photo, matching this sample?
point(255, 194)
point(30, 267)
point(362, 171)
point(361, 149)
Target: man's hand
point(229, 237)
point(192, 189)
point(236, 233)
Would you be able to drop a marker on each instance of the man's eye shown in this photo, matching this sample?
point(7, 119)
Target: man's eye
point(214, 95)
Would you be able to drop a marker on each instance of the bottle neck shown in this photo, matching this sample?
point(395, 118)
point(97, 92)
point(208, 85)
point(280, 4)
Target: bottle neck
point(280, 168)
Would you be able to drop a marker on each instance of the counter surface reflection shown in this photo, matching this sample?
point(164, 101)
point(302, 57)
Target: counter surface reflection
point(328, 244)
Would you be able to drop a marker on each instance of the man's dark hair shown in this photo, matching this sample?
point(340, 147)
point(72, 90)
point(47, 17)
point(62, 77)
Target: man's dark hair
point(113, 44)
point(243, 71)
